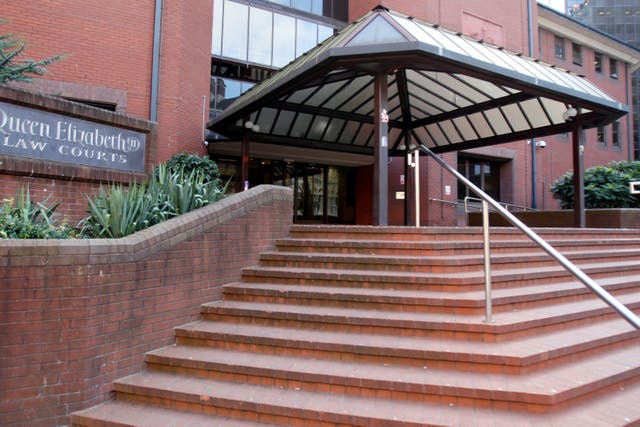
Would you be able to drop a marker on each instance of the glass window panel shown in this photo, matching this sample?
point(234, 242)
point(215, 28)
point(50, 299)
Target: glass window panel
point(284, 39)
point(515, 117)
point(282, 2)
point(301, 5)
point(267, 116)
point(481, 125)
point(497, 121)
point(335, 126)
point(284, 122)
point(366, 109)
point(324, 32)
point(306, 36)
point(349, 134)
point(234, 33)
point(535, 113)
point(316, 7)
point(318, 127)
point(216, 35)
point(465, 128)
point(260, 30)
point(450, 131)
point(301, 125)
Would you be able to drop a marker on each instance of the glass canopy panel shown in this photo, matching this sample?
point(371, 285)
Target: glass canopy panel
point(260, 34)
point(535, 113)
point(324, 94)
point(487, 88)
point(481, 125)
point(394, 134)
point(516, 118)
point(431, 81)
point(266, 119)
point(301, 126)
point(324, 33)
point(333, 130)
point(441, 40)
point(367, 108)
point(555, 109)
point(464, 127)
point(421, 109)
point(461, 87)
point(300, 95)
point(421, 134)
point(283, 123)
point(318, 127)
point(364, 136)
point(439, 138)
point(357, 101)
point(450, 131)
point(498, 121)
point(351, 90)
point(429, 97)
point(349, 134)
point(378, 31)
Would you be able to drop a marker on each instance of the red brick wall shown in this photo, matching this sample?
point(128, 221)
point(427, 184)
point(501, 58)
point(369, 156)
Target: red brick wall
point(75, 315)
point(108, 57)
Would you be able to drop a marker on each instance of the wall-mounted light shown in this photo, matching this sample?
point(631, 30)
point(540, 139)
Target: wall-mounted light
point(569, 114)
point(252, 126)
point(541, 144)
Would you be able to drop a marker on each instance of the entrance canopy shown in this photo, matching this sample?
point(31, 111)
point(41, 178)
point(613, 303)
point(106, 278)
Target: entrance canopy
point(444, 90)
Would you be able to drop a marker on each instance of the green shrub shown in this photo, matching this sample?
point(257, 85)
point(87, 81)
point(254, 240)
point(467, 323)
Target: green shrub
point(192, 162)
point(21, 218)
point(172, 191)
point(604, 186)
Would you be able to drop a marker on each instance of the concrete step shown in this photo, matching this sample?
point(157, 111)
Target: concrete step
point(518, 355)
point(407, 299)
point(443, 247)
point(550, 386)
point(515, 276)
point(436, 264)
point(121, 413)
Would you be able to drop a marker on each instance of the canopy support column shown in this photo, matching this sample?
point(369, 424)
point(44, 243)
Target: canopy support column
point(578, 174)
point(381, 157)
point(408, 180)
point(244, 162)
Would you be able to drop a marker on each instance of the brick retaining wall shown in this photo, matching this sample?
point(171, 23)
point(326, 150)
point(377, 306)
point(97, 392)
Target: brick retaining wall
point(77, 314)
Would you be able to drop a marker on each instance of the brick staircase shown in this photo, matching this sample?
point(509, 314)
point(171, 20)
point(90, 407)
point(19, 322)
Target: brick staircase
point(384, 327)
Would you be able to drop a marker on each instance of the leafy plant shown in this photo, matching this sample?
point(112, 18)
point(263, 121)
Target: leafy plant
point(192, 162)
point(21, 218)
point(604, 186)
point(118, 211)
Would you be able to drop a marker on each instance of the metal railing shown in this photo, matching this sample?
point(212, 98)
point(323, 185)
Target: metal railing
point(468, 204)
point(627, 314)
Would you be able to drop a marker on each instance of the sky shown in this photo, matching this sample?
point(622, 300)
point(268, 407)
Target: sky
point(555, 4)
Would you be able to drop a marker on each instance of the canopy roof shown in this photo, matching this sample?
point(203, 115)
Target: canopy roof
point(445, 90)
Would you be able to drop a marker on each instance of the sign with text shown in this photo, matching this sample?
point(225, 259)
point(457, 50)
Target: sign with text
point(37, 134)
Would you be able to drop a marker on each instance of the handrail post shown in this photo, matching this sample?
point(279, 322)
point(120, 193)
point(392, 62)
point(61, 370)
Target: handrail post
point(487, 262)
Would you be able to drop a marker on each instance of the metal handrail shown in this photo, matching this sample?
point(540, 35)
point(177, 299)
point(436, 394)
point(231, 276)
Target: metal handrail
point(507, 206)
point(627, 314)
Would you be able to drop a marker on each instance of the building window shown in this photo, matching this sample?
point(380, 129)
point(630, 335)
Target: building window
point(262, 36)
point(597, 62)
point(602, 135)
point(615, 134)
point(558, 47)
point(576, 50)
point(613, 68)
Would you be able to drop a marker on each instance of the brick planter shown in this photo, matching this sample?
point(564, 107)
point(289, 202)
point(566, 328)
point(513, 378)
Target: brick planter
point(77, 314)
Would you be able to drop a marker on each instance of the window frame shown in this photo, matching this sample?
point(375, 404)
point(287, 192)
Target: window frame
point(576, 54)
point(559, 50)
